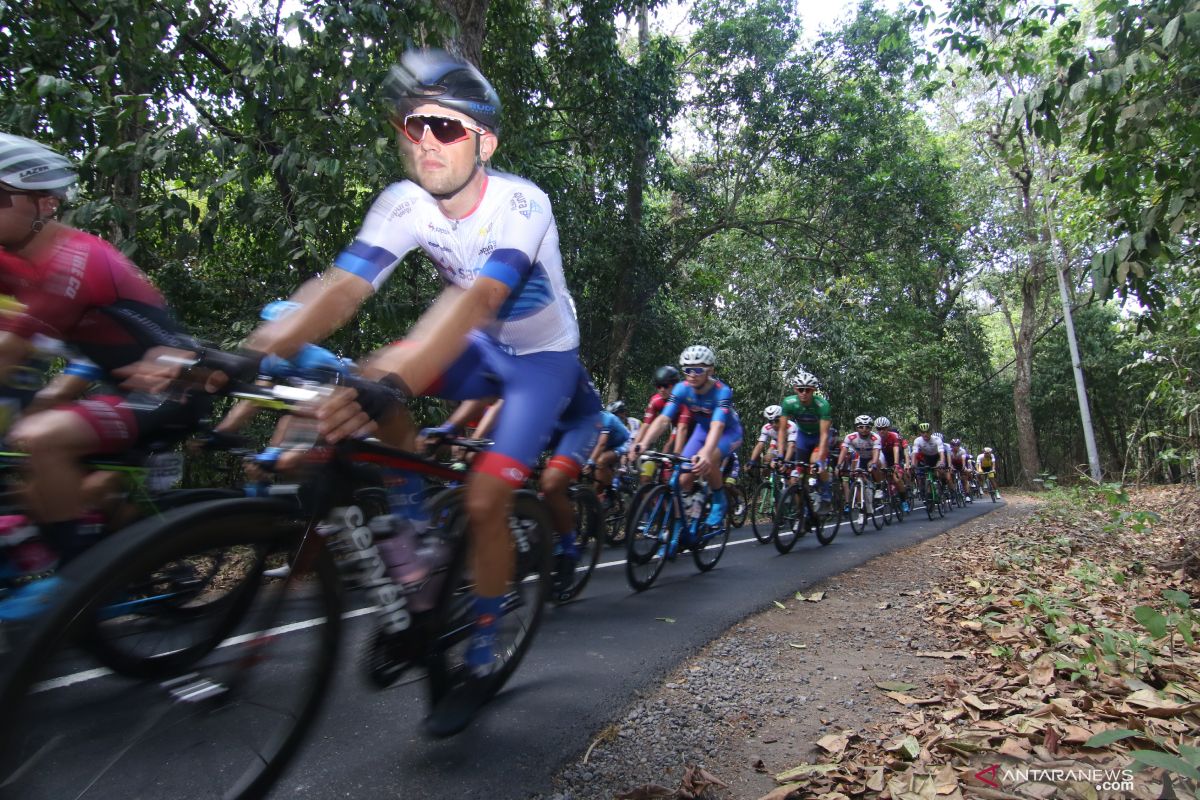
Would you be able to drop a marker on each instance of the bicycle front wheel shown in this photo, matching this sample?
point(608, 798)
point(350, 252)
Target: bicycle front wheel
point(228, 720)
point(789, 520)
point(762, 512)
point(710, 545)
point(646, 537)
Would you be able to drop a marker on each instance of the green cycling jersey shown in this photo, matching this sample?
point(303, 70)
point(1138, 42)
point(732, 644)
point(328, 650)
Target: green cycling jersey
point(807, 416)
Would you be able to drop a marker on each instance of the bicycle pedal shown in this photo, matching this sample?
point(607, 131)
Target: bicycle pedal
point(194, 688)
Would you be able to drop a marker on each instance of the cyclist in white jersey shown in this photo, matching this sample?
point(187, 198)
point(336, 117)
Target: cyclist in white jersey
point(504, 326)
point(769, 433)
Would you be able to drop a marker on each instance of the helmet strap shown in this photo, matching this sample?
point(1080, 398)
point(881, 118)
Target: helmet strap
point(35, 227)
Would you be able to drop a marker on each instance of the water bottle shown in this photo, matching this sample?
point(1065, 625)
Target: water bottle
point(433, 554)
point(396, 539)
point(696, 505)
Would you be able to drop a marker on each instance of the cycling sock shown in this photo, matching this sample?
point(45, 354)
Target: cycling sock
point(481, 652)
point(567, 545)
point(717, 511)
point(63, 537)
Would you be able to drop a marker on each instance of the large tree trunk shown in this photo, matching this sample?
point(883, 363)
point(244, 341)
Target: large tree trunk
point(471, 16)
point(631, 298)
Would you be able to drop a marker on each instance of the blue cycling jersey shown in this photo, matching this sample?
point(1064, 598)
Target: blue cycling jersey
point(618, 434)
point(714, 405)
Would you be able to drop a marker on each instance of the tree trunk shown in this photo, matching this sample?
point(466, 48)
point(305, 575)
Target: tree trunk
point(471, 16)
point(934, 390)
point(630, 299)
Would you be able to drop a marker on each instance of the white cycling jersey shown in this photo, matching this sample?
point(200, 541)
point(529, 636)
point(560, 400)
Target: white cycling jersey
point(864, 446)
point(930, 446)
point(511, 237)
point(769, 432)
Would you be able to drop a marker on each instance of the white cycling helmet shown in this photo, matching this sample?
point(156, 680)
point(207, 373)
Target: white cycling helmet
point(987, 451)
point(33, 167)
point(883, 423)
point(698, 356)
point(862, 419)
point(803, 378)
point(772, 413)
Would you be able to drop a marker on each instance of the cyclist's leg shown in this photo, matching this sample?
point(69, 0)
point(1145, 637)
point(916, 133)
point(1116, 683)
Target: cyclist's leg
point(535, 388)
point(694, 443)
point(57, 441)
point(731, 440)
point(571, 447)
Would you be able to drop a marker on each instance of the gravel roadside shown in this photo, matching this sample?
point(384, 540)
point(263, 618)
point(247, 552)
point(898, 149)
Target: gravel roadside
point(754, 701)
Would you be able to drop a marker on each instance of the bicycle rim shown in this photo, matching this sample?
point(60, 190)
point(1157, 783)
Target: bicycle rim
point(226, 724)
point(646, 538)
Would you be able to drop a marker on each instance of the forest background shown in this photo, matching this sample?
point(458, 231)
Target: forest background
point(889, 202)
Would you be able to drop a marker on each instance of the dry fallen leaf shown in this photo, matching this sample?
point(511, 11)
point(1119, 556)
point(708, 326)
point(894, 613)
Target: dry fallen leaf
point(815, 597)
point(785, 792)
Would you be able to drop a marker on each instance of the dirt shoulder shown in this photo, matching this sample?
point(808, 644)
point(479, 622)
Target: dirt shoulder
point(907, 676)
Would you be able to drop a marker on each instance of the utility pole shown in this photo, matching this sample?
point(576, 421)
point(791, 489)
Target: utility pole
point(1085, 414)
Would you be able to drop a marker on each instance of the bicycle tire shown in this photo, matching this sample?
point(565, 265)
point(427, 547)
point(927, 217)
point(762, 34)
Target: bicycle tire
point(737, 506)
point(614, 522)
point(858, 510)
point(646, 537)
point(875, 511)
point(827, 525)
point(532, 531)
point(929, 499)
point(39, 716)
point(762, 512)
point(709, 548)
point(784, 533)
point(589, 538)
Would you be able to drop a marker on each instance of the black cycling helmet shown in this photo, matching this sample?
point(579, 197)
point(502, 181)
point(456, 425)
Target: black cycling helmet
point(435, 76)
point(666, 376)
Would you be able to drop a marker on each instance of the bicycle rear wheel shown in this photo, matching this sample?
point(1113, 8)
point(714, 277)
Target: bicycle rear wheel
point(929, 498)
point(589, 538)
point(762, 512)
point(738, 508)
point(646, 537)
point(524, 603)
point(229, 719)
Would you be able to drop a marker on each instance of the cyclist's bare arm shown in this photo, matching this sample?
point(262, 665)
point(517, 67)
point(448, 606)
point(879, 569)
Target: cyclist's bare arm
point(63, 388)
point(601, 443)
point(13, 351)
point(489, 420)
point(327, 302)
point(242, 412)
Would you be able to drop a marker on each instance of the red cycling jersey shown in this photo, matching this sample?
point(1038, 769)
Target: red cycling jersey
point(892, 440)
point(656, 405)
point(86, 293)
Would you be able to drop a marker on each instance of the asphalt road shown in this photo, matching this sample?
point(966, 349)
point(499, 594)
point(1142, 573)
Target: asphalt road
point(589, 660)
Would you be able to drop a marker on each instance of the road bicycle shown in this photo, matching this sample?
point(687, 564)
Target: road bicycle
point(764, 500)
point(666, 522)
point(988, 485)
point(861, 501)
point(931, 492)
point(618, 503)
point(260, 651)
point(796, 513)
